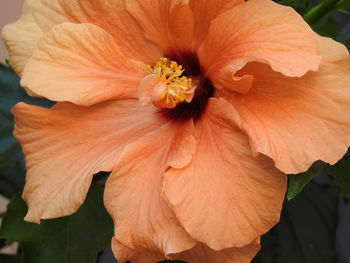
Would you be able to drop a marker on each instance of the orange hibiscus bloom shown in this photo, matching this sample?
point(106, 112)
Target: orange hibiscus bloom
point(197, 107)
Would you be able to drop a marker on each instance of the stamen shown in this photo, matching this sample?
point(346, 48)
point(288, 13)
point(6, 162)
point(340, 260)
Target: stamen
point(174, 88)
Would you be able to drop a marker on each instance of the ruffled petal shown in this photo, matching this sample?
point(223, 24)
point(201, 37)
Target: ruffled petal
point(203, 254)
point(259, 30)
point(122, 253)
point(225, 197)
point(81, 63)
point(297, 121)
point(66, 145)
point(142, 218)
point(198, 254)
point(22, 36)
point(39, 16)
point(168, 23)
point(204, 11)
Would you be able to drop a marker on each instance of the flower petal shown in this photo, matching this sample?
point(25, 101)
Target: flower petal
point(66, 145)
point(240, 84)
point(225, 197)
point(112, 16)
point(259, 30)
point(122, 253)
point(297, 121)
point(203, 254)
point(133, 197)
point(204, 11)
point(22, 36)
point(39, 16)
point(331, 50)
point(81, 63)
point(199, 253)
point(168, 23)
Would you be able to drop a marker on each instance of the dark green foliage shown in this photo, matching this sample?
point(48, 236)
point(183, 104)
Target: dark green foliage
point(326, 26)
point(340, 173)
point(297, 182)
point(306, 232)
point(343, 4)
point(76, 238)
point(300, 5)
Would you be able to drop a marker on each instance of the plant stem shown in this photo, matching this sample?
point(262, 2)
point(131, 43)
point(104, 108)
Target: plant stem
point(343, 11)
point(320, 10)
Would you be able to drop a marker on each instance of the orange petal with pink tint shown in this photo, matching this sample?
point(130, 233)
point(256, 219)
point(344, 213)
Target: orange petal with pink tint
point(203, 254)
point(204, 11)
point(168, 23)
point(66, 145)
point(259, 30)
point(133, 195)
point(297, 121)
point(39, 16)
point(225, 197)
point(81, 63)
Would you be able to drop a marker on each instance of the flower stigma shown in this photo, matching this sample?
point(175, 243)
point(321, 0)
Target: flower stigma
point(169, 86)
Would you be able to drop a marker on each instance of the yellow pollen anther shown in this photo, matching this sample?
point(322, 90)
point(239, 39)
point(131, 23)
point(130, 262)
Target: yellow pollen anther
point(177, 88)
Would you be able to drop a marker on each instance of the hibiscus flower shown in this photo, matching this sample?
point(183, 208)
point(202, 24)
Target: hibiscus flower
point(198, 108)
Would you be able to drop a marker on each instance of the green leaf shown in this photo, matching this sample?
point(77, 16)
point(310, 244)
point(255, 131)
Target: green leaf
point(340, 173)
point(76, 238)
point(306, 231)
point(326, 26)
point(297, 182)
point(343, 4)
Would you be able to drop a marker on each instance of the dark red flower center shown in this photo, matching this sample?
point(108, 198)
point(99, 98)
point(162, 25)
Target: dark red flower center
point(205, 90)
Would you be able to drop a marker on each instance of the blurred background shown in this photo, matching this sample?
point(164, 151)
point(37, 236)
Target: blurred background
point(10, 10)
